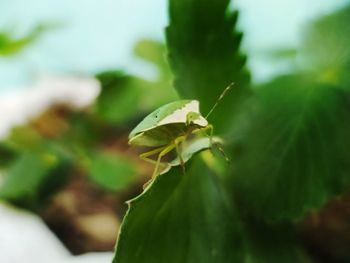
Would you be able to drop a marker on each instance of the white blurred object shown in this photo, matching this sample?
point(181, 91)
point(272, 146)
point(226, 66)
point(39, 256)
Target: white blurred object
point(97, 257)
point(18, 107)
point(25, 237)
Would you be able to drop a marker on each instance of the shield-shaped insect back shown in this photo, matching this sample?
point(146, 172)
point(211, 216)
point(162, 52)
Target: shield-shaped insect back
point(177, 126)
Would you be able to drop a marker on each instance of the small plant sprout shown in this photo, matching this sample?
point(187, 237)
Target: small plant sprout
point(169, 126)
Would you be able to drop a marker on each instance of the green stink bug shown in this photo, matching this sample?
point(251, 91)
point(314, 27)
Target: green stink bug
point(169, 126)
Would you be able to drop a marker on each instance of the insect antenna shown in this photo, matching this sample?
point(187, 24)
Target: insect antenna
point(228, 160)
point(219, 99)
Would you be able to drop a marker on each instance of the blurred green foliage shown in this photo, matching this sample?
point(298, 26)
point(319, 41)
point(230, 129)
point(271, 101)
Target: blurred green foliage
point(287, 140)
point(34, 176)
point(325, 49)
point(123, 97)
point(119, 97)
point(7, 155)
point(10, 45)
point(303, 128)
point(83, 137)
point(275, 243)
point(112, 171)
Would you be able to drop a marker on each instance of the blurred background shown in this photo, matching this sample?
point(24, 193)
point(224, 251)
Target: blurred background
point(75, 77)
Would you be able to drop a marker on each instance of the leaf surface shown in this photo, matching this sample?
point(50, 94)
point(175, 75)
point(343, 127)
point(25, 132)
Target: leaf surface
point(180, 218)
point(34, 176)
point(272, 243)
point(205, 57)
point(112, 172)
point(325, 47)
point(292, 152)
point(125, 96)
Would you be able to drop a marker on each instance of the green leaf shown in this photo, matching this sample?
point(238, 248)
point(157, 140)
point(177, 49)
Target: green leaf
point(180, 218)
point(119, 97)
point(205, 58)
point(292, 151)
point(7, 154)
point(112, 172)
point(24, 138)
point(153, 52)
point(326, 47)
point(125, 96)
point(34, 177)
point(10, 45)
point(272, 243)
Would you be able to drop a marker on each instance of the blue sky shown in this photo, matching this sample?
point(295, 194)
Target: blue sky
point(99, 34)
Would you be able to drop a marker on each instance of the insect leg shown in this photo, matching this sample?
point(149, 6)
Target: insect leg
point(222, 152)
point(211, 128)
point(211, 132)
point(177, 144)
point(166, 150)
point(144, 156)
